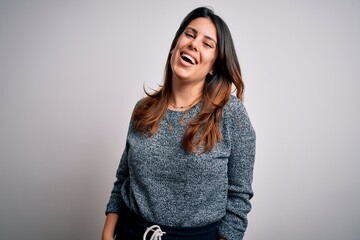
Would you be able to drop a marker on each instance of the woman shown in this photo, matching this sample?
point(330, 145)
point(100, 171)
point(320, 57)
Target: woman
point(186, 171)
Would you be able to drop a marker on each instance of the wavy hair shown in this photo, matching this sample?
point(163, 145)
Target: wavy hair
point(203, 131)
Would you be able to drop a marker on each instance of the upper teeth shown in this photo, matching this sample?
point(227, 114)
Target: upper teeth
point(188, 57)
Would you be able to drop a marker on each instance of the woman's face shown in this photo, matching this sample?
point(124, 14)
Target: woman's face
point(195, 52)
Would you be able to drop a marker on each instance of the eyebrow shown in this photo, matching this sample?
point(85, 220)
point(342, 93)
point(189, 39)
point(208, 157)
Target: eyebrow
point(206, 36)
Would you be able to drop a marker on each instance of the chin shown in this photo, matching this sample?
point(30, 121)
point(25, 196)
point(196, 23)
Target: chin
point(182, 74)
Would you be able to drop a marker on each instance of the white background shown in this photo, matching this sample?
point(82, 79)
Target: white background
point(71, 72)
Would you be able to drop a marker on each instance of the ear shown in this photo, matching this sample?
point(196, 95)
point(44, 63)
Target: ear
point(211, 72)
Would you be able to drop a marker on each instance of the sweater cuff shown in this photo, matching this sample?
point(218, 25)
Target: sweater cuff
point(113, 206)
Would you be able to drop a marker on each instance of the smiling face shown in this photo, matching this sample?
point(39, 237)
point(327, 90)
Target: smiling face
point(195, 52)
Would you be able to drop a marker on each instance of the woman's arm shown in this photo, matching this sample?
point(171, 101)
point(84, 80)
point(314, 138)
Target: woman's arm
point(240, 172)
point(109, 226)
point(113, 206)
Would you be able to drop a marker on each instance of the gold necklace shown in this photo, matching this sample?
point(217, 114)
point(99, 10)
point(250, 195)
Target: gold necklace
point(184, 107)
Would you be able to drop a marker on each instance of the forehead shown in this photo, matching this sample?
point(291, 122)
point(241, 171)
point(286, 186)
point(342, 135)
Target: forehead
point(204, 26)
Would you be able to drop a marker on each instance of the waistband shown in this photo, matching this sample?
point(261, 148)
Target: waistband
point(140, 223)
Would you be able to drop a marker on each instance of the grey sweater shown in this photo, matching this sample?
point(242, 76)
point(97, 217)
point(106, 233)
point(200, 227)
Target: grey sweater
point(162, 183)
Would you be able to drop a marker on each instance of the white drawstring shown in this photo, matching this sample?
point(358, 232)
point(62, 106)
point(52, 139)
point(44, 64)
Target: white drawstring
point(157, 233)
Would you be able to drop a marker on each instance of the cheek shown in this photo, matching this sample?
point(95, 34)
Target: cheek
point(174, 54)
point(181, 41)
point(210, 58)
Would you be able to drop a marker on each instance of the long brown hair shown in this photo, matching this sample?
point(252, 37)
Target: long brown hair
point(203, 132)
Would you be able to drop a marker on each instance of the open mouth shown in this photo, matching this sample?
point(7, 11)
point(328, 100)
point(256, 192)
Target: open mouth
point(188, 58)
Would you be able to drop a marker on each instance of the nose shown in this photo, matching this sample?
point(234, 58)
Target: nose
point(194, 44)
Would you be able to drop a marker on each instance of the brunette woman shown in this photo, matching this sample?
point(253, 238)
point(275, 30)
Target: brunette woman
point(187, 167)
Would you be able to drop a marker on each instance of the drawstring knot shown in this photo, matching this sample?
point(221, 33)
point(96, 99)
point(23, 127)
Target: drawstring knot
point(157, 233)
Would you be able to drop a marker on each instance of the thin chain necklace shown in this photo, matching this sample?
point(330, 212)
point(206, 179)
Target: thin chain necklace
point(181, 107)
point(184, 107)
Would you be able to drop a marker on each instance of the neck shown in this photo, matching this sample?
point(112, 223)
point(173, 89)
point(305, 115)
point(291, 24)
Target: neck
point(185, 95)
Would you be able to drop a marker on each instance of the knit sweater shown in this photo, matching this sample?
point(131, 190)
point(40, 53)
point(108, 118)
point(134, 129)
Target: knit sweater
point(161, 182)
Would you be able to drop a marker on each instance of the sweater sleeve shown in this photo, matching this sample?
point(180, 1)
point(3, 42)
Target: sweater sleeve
point(122, 174)
point(240, 172)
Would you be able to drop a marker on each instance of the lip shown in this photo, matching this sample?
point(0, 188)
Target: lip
point(185, 63)
point(191, 55)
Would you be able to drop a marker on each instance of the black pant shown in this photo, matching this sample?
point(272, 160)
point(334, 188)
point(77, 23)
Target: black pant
point(132, 227)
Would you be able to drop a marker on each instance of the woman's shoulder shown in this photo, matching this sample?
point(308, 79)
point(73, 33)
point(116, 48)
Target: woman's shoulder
point(141, 102)
point(234, 106)
point(235, 116)
point(235, 110)
point(146, 100)
point(234, 100)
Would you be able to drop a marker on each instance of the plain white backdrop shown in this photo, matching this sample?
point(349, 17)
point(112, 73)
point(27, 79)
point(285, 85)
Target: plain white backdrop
point(71, 72)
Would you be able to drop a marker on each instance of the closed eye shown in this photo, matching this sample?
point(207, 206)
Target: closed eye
point(208, 45)
point(189, 35)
